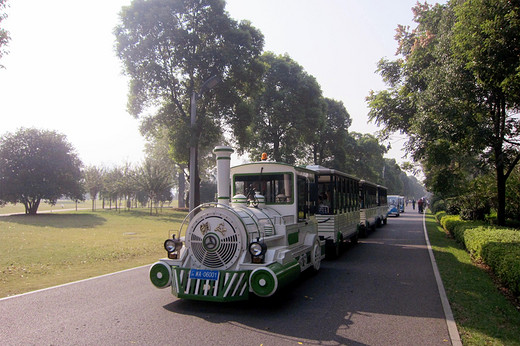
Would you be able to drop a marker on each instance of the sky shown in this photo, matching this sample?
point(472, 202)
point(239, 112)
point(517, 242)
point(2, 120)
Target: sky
point(62, 73)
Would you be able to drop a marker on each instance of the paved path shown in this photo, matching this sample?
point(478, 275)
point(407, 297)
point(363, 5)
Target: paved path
point(379, 292)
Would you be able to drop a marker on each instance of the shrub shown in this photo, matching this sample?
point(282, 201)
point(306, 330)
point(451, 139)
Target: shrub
point(452, 207)
point(477, 238)
point(439, 215)
point(504, 260)
point(437, 204)
point(498, 247)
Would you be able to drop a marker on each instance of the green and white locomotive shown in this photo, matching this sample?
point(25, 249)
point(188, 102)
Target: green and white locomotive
point(256, 241)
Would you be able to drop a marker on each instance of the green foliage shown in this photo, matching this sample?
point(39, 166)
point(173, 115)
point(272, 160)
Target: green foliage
point(439, 215)
point(365, 157)
point(38, 165)
point(328, 147)
point(457, 227)
point(93, 183)
point(476, 201)
point(155, 180)
point(476, 238)
point(4, 34)
point(513, 195)
point(287, 110)
point(454, 92)
point(485, 35)
point(437, 205)
point(169, 49)
point(504, 258)
point(498, 247)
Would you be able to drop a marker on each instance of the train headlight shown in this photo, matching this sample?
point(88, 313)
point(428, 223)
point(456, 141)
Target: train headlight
point(173, 246)
point(257, 250)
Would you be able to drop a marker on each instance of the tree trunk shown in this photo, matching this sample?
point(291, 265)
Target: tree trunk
point(182, 190)
point(501, 193)
point(197, 181)
point(31, 208)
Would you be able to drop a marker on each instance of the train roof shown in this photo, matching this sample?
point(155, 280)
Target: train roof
point(274, 163)
point(324, 170)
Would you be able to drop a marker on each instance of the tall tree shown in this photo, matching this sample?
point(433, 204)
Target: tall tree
point(169, 48)
point(487, 39)
point(287, 111)
point(93, 183)
point(112, 185)
point(38, 165)
point(455, 91)
point(330, 141)
point(159, 149)
point(365, 157)
point(154, 178)
point(4, 34)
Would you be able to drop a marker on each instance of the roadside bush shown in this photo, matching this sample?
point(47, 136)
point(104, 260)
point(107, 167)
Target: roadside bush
point(448, 222)
point(439, 215)
point(504, 259)
point(437, 204)
point(498, 247)
point(456, 226)
point(475, 239)
point(452, 207)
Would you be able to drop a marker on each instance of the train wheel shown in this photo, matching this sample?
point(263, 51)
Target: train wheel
point(316, 256)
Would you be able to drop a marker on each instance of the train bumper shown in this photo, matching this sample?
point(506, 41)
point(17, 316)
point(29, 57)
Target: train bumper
point(210, 285)
point(223, 285)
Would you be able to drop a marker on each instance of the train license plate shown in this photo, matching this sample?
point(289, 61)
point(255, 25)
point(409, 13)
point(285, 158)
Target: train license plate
point(204, 274)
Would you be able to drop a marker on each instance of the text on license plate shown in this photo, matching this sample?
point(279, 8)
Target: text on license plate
point(204, 274)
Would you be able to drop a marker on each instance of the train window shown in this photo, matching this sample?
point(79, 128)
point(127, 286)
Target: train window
point(325, 205)
point(275, 187)
point(303, 197)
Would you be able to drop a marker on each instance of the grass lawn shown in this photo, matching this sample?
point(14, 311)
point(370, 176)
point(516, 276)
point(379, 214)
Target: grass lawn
point(51, 249)
point(483, 315)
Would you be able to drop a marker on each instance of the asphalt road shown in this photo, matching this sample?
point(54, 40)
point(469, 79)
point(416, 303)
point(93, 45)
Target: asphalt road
point(381, 291)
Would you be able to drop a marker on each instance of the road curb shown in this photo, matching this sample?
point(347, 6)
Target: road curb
point(450, 321)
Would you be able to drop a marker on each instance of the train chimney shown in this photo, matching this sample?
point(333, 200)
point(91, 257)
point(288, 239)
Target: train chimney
point(223, 154)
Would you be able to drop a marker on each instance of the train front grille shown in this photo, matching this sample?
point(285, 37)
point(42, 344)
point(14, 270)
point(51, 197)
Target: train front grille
point(227, 286)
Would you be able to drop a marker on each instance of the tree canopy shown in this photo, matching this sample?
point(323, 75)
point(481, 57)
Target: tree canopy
point(454, 91)
point(287, 110)
point(330, 139)
point(264, 101)
point(38, 165)
point(4, 34)
point(169, 49)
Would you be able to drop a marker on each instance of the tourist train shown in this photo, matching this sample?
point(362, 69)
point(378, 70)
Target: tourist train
point(271, 222)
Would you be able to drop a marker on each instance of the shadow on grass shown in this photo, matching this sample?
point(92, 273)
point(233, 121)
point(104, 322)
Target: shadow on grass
point(57, 220)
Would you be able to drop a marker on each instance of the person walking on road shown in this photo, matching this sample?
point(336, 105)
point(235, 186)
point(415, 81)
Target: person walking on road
point(413, 204)
point(420, 205)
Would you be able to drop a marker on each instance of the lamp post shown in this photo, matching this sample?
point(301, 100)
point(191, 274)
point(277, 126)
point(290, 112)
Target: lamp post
point(208, 84)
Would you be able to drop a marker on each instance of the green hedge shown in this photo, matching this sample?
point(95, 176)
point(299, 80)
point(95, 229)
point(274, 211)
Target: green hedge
point(439, 216)
point(498, 247)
